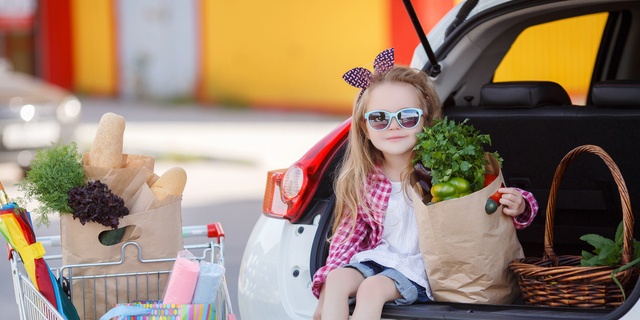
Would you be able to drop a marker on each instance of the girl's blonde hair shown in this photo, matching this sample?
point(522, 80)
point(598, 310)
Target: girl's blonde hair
point(361, 156)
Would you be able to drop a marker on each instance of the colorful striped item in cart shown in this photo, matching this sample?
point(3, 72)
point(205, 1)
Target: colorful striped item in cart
point(154, 310)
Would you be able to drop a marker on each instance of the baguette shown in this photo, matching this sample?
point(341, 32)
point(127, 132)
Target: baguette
point(106, 150)
point(171, 182)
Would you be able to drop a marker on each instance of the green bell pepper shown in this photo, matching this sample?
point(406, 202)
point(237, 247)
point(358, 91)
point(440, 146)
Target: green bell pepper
point(456, 187)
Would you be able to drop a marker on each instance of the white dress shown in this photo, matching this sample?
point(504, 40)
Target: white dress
point(399, 248)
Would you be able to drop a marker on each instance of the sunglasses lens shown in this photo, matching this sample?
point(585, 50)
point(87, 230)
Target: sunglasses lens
point(378, 120)
point(409, 118)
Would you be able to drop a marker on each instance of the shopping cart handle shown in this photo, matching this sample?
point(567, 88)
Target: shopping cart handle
point(214, 230)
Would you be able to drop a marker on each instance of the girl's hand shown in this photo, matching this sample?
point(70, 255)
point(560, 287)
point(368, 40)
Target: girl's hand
point(513, 201)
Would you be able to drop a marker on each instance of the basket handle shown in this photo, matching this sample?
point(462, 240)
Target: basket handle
point(627, 216)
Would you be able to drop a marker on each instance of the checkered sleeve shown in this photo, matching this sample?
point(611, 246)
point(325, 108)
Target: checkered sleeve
point(343, 246)
point(524, 220)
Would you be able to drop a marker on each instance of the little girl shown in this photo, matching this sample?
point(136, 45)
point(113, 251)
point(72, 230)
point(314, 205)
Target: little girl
point(374, 254)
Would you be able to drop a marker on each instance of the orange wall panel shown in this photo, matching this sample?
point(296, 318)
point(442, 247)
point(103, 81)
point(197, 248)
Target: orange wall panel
point(94, 47)
point(561, 51)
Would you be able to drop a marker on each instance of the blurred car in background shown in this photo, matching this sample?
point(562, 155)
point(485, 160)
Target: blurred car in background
point(33, 114)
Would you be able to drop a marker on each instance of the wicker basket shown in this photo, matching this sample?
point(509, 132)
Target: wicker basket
point(560, 281)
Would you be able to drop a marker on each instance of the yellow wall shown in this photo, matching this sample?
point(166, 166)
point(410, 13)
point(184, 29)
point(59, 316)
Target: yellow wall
point(292, 53)
point(561, 51)
point(289, 53)
point(93, 46)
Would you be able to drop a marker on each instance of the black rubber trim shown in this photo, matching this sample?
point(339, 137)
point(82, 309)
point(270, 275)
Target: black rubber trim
point(615, 17)
point(320, 248)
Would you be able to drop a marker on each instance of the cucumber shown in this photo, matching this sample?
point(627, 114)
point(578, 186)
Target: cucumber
point(111, 237)
point(491, 206)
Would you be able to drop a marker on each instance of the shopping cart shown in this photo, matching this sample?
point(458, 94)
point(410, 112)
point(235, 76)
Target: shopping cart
point(34, 306)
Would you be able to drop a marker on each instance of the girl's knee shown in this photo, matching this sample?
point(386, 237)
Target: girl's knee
point(378, 281)
point(378, 288)
point(344, 278)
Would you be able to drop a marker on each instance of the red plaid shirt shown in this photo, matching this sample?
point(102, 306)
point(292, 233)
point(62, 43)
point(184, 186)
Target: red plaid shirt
point(368, 229)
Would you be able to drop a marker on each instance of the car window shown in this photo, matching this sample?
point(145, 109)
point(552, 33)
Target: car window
point(562, 51)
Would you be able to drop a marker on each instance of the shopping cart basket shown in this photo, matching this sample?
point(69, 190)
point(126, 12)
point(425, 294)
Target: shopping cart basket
point(34, 306)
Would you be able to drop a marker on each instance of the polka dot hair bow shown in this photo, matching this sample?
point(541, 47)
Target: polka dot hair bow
point(360, 77)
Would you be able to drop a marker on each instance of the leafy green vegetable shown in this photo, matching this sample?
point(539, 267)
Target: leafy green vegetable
point(607, 252)
point(54, 171)
point(453, 150)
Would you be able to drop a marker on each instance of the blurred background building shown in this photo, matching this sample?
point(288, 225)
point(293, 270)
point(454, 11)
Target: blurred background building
point(285, 54)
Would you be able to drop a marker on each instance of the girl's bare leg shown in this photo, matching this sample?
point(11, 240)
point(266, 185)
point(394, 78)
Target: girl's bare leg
point(372, 295)
point(341, 284)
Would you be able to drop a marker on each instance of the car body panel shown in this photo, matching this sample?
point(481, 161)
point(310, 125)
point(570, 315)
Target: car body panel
point(265, 290)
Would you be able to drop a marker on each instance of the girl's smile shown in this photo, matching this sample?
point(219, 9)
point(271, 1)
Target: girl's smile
point(395, 138)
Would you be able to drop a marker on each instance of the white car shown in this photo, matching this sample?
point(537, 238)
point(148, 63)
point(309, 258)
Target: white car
point(33, 114)
point(533, 124)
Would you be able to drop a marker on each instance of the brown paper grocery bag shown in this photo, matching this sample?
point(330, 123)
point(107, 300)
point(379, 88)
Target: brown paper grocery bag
point(158, 232)
point(156, 226)
point(466, 251)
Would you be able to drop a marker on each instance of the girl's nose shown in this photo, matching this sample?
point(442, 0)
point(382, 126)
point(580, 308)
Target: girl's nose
point(394, 124)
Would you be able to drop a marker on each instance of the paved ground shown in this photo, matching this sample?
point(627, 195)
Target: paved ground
point(226, 153)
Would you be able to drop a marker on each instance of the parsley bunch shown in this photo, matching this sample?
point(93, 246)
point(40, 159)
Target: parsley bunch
point(606, 252)
point(453, 150)
point(54, 171)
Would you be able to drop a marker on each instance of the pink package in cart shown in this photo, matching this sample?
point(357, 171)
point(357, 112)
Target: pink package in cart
point(148, 310)
point(182, 280)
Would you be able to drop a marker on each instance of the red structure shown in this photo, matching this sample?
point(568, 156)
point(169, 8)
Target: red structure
point(54, 48)
point(403, 36)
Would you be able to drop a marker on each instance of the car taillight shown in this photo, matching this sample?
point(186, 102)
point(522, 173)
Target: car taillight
point(273, 204)
point(289, 191)
point(293, 181)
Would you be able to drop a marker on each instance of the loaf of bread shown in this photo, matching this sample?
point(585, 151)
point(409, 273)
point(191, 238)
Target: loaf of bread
point(106, 150)
point(171, 182)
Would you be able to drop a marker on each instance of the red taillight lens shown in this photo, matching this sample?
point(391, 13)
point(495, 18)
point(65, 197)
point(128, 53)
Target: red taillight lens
point(289, 191)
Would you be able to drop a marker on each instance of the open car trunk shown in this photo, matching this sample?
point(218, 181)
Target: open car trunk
point(533, 136)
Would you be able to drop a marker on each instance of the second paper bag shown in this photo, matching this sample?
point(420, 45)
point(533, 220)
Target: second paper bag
point(466, 251)
point(156, 226)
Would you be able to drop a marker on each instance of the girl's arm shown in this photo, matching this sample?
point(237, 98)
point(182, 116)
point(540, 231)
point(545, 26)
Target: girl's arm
point(317, 314)
point(343, 246)
point(519, 204)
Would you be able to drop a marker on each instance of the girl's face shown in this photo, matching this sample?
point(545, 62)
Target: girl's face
point(394, 141)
